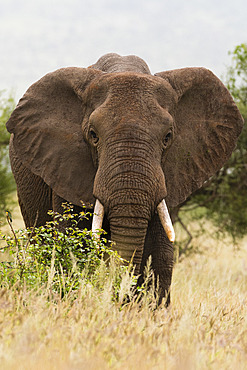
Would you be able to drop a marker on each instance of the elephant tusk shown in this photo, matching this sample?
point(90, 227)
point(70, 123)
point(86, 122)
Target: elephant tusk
point(97, 218)
point(166, 220)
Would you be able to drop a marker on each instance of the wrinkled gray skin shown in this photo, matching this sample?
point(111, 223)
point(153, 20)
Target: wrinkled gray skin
point(116, 133)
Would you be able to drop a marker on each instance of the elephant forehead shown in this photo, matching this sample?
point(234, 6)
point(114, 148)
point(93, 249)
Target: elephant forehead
point(130, 81)
point(126, 86)
point(121, 109)
point(137, 84)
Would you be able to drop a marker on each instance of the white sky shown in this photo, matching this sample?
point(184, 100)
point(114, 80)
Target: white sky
point(38, 36)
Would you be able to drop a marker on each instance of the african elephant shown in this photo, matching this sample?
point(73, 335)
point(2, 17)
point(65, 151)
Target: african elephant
point(132, 143)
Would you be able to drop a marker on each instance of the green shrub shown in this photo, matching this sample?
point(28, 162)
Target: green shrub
point(60, 262)
point(47, 256)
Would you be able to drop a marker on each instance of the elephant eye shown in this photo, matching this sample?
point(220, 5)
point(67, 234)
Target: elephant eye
point(93, 136)
point(167, 139)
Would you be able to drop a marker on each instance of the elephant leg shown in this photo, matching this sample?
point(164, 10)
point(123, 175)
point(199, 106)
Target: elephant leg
point(34, 195)
point(160, 249)
point(34, 198)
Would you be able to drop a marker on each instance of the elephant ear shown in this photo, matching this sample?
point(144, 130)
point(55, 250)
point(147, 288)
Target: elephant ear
point(47, 133)
point(207, 125)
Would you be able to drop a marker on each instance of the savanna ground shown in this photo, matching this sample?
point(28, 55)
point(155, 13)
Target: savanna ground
point(205, 326)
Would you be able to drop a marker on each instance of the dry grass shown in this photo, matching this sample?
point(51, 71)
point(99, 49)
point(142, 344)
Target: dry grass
point(204, 328)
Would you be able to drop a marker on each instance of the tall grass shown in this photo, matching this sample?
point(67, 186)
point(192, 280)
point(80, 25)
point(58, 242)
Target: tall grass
point(92, 327)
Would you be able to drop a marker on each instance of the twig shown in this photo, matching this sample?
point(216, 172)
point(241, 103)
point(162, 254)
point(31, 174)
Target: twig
point(16, 240)
point(183, 250)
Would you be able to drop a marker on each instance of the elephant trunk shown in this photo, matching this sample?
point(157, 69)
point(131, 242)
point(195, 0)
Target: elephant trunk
point(128, 225)
point(128, 209)
point(130, 184)
point(162, 211)
point(128, 229)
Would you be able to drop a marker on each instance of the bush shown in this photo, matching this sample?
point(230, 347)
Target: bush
point(45, 255)
point(60, 262)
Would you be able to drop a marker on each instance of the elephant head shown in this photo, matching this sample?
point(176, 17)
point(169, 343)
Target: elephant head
point(115, 135)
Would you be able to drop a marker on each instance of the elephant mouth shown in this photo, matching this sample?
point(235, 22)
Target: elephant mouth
point(162, 210)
